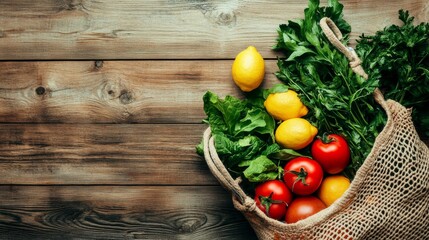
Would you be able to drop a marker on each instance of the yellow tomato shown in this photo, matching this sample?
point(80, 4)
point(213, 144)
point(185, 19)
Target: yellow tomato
point(332, 188)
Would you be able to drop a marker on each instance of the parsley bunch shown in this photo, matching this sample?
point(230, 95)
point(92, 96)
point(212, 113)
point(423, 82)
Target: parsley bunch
point(398, 56)
point(339, 100)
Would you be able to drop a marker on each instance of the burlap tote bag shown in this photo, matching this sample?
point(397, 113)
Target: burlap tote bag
point(388, 199)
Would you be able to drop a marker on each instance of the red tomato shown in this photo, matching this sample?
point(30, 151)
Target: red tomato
point(273, 197)
point(303, 175)
point(332, 152)
point(303, 207)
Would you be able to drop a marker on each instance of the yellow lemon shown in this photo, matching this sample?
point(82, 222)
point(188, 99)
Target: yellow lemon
point(285, 105)
point(295, 133)
point(248, 69)
point(332, 188)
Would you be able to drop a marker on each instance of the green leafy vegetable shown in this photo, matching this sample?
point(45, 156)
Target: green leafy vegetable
point(278, 88)
point(339, 100)
point(284, 154)
point(236, 117)
point(397, 57)
point(243, 131)
point(234, 152)
point(261, 169)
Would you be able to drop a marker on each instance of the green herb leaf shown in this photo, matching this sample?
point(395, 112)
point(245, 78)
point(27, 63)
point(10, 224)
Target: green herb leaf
point(222, 114)
point(233, 152)
point(256, 121)
point(284, 154)
point(236, 117)
point(261, 169)
point(397, 57)
point(277, 88)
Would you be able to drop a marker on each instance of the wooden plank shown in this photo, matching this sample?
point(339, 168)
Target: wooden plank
point(117, 212)
point(125, 154)
point(153, 29)
point(113, 91)
point(368, 16)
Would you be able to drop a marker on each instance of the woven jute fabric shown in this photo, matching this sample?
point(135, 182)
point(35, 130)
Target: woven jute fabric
point(387, 199)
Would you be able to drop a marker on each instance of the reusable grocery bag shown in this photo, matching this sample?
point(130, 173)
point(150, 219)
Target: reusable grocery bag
point(388, 198)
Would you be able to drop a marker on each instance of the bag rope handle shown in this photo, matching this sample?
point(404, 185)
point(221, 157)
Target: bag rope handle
point(333, 33)
point(221, 173)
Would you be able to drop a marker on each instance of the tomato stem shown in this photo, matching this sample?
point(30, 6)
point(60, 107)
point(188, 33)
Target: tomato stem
point(326, 138)
point(301, 176)
point(268, 201)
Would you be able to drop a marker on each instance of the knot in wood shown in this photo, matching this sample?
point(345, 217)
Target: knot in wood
point(226, 19)
point(125, 97)
point(71, 5)
point(40, 91)
point(98, 64)
point(188, 224)
point(223, 15)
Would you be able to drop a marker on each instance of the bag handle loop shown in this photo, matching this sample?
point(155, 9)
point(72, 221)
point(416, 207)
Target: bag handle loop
point(221, 173)
point(333, 33)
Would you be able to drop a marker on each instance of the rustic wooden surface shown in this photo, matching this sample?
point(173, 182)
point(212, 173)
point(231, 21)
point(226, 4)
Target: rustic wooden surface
point(165, 29)
point(101, 110)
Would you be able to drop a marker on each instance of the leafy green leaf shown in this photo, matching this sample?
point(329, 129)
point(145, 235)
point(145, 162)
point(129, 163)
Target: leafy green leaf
point(233, 152)
point(200, 149)
point(222, 114)
point(236, 117)
point(284, 154)
point(256, 121)
point(277, 88)
point(261, 169)
point(298, 51)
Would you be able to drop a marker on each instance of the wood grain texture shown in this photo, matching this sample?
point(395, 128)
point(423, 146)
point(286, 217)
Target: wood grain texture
point(166, 29)
point(106, 149)
point(126, 154)
point(114, 91)
point(117, 212)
